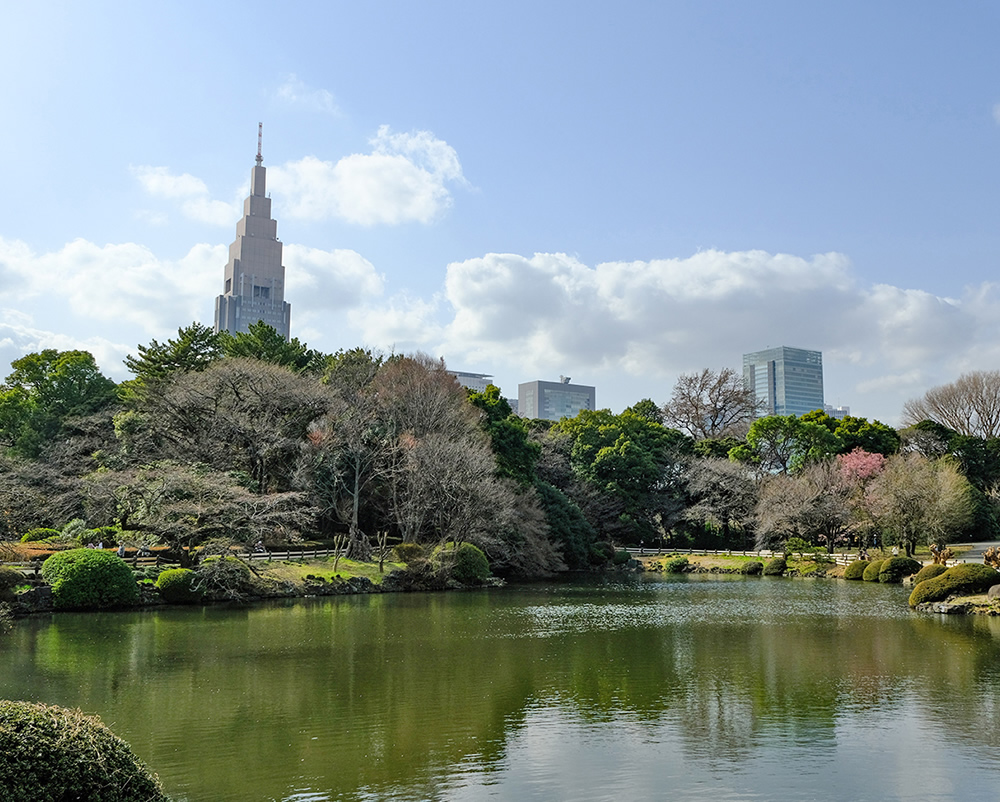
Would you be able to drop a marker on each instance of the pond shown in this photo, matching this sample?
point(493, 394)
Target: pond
point(691, 687)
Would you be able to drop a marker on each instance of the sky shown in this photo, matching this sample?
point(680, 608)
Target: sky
point(618, 193)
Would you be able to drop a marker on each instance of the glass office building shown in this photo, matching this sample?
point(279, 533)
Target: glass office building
point(554, 400)
point(785, 381)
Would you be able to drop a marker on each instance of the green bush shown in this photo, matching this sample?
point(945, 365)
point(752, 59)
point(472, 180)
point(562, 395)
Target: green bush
point(966, 579)
point(797, 545)
point(601, 553)
point(776, 566)
point(872, 570)
point(177, 586)
point(9, 579)
point(223, 579)
point(407, 552)
point(752, 568)
point(86, 579)
point(856, 569)
point(675, 565)
point(929, 572)
point(622, 557)
point(41, 533)
point(466, 564)
point(894, 569)
point(50, 753)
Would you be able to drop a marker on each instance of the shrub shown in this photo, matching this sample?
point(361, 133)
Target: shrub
point(622, 557)
point(856, 569)
point(177, 586)
point(75, 529)
point(223, 579)
point(797, 545)
point(776, 566)
point(53, 753)
point(962, 579)
point(871, 571)
point(84, 579)
point(929, 572)
point(894, 569)
point(407, 552)
point(41, 533)
point(601, 553)
point(466, 564)
point(752, 568)
point(675, 565)
point(9, 579)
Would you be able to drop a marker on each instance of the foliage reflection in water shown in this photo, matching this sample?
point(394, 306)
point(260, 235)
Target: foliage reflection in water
point(714, 687)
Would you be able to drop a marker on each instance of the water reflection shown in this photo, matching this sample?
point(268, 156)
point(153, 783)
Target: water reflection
point(727, 688)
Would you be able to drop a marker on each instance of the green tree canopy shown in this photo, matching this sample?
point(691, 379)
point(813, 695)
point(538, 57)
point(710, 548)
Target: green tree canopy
point(195, 348)
point(516, 454)
point(44, 390)
point(784, 443)
point(262, 342)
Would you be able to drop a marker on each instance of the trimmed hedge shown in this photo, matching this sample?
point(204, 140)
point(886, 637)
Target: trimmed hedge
point(894, 569)
point(776, 566)
point(466, 564)
point(675, 565)
point(88, 579)
point(872, 571)
point(966, 579)
point(40, 533)
point(752, 568)
point(856, 570)
point(929, 572)
point(58, 754)
point(177, 586)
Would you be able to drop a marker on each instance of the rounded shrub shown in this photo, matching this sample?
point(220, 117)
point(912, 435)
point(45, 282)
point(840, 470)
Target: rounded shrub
point(53, 753)
point(856, 570)
point(872, 570)
point(929, 572)
point(408, 552)
point(9, 579)
point(676, 565)
point(893, 570)
point(966, 579)
point(223, 578)
point(622, 557)
point(40, 533)
point(177, 586)
point(87, 579)
point(776, 566)
point(466, 564)
point(752, 568)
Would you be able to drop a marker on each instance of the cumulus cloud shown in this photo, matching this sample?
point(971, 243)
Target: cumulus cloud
point(190, 191)
point(634, 326)
point(329, 281)
point(117, 283)
point(405, 179)
point(18, 336)
point(295, 92)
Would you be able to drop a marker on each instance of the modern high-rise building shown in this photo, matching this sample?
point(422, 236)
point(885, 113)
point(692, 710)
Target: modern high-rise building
point(473, 381)
point(785, 381)
point(554, 400)
point(254, 287)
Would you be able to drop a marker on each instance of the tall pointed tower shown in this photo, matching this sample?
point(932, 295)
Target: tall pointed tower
point(255, 278)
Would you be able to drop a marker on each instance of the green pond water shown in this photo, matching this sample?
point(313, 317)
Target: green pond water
point(716, 688)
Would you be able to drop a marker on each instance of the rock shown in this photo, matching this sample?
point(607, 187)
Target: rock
point(994, 592)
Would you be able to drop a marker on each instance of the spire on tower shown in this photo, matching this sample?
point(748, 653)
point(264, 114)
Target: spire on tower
point(260, 132)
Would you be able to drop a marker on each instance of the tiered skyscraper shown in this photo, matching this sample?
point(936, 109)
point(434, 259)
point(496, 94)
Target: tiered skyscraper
point(255, 278)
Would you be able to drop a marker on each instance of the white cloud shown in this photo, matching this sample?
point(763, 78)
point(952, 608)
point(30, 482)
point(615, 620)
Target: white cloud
point(124, 283)
point(328, 281)
point(404, 179)
point(295, 92)
point(632, 327)
point(190, 191)
point(18, 336)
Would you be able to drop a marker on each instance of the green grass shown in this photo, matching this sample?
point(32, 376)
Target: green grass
point(297, 571)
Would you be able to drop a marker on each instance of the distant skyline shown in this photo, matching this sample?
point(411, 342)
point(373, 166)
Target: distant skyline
point(615, 193)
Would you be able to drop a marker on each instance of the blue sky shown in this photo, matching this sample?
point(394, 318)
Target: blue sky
point(614, 192)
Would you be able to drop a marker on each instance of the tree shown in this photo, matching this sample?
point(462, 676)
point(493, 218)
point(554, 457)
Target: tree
point(238, 414)
point(814, 505)
point(722, 494)
point(515, 452)
point(263, 342)
point(195, 348)
point(917, 500)
point(44, 391)
point(710, 404)
point(784, 444)
point(970, 405)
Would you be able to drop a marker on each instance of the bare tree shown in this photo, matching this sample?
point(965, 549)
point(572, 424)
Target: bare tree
point(813, 505)
point(724, 495)
point(918, 500)
point(970, 405)
point(710, 404)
